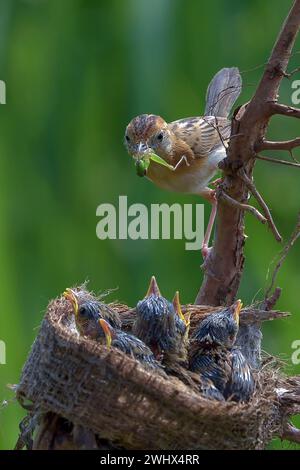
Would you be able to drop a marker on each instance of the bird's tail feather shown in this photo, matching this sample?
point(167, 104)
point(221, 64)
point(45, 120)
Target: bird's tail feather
point(222, 92)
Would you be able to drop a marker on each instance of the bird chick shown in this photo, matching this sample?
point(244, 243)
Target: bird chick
point(85, 310)
point(128, 344)
point(214, 356)
point(91, 322)
point(159, 325)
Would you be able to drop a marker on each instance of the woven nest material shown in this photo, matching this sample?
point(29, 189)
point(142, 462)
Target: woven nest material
point(115, 397)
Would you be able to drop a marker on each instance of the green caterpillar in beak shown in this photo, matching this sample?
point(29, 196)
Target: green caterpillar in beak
point(141, 167)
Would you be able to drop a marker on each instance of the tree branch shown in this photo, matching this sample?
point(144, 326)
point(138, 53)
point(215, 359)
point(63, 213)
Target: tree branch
point(283, 109)
point(243, 207)
point(292, 72)
point(283, 145)
point(271, 301)
point(224, 267)
point(251, 186)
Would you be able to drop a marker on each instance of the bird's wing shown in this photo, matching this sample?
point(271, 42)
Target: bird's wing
point(212, 367)
point(209, 390)
point(202, 134)
point(241, 384)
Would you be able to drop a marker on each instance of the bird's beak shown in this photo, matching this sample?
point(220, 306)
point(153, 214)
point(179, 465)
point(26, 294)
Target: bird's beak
point(237, 307)
point(70, 295)
point(177, 307)
point(153, 288)
point(141, 150)
point(105, 327)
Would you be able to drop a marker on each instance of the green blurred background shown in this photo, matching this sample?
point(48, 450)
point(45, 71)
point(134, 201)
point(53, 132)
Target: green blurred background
point(76, 72)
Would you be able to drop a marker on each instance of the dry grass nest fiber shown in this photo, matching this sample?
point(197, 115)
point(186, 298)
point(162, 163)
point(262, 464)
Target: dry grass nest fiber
point(115, 397)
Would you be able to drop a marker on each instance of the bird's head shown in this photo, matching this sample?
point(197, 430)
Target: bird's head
point(153, 288)
point(154, 305)
point(148, 134)
point(86, 313)
point(155, 318)
point(220, 328)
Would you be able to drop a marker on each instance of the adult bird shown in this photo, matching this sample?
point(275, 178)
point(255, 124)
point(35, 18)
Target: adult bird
point(189, 149)
point(215, 357)
point(85, 309)
point(161, 326)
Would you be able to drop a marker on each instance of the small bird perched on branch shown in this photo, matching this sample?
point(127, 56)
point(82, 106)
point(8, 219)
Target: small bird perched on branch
point(214, 356)
point(161, 326)
point(128, 344)
point(87, 309)
point(183, 155)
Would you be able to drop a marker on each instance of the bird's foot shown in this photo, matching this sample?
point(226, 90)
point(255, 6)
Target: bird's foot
point(216, 182)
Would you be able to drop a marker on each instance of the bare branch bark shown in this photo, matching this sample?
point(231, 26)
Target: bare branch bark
point(244, 207)
point(223, 270)
point(283, 109)
point(282, 145)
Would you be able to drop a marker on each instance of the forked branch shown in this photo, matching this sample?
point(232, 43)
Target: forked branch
point(224, 268)
point(243, 207)
point(276, 160)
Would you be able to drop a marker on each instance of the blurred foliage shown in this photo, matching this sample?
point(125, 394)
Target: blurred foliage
point(76, 72)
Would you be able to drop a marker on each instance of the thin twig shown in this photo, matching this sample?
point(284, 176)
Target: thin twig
point(270, 302)
point(243, 207)
point(251, 186)
point(292, 156)
point(277, 108)
point(284, 253)
point(283, 145)
point(292, 72)
point(275, 160)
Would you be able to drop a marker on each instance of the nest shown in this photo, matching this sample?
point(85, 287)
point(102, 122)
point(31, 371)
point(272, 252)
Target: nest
point(116, 398)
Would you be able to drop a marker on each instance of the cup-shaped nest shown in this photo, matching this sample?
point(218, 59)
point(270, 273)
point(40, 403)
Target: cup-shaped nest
point(118, 399)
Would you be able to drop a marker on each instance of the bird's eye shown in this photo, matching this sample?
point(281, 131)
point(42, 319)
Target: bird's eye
point(82, 311)
point(160, 136)
point(127, 138)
